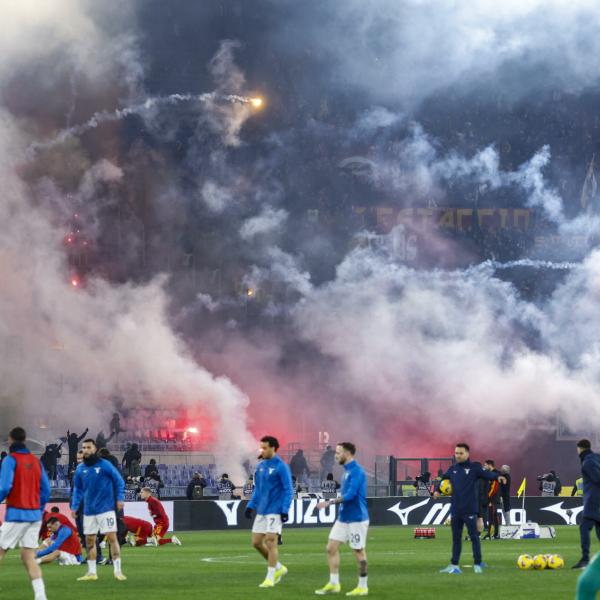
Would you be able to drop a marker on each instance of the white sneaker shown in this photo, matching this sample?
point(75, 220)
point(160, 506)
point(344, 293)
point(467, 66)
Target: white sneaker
point(175, 540)
point(152, 541)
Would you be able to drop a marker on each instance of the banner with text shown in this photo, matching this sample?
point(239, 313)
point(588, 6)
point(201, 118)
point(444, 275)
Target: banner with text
point(229, 514)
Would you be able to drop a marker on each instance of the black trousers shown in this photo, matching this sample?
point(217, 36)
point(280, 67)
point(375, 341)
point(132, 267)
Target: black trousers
point(493, 521)
point(458, 524)
point(585, 533)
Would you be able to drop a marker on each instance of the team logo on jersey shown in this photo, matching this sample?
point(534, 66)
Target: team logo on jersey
point(97, 469)
point(467, 471)
point(271, 470)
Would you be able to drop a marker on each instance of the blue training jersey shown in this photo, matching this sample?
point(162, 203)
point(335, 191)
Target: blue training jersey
point(58, 539)
point(272, 488)
point(99, 486)
point(354, 494)
point(465, 486)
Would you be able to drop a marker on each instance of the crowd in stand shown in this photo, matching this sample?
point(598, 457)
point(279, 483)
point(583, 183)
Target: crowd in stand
point(130, 466)
point(137, 476)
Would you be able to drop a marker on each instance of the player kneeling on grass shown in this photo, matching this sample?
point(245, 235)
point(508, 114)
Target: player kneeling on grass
point(271, 499)
point(352, 523)
point(64, 545)
point(160, 518)
point(138, 531)
point(97, 484)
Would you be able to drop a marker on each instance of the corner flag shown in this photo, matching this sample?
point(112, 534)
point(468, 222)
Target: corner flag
point(521, 489)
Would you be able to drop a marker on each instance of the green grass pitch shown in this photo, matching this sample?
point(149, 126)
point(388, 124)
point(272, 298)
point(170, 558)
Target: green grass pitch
point(223, 565)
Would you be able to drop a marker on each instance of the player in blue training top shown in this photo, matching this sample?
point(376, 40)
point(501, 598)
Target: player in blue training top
point(352, 523)
point(464, 476)
point(102, 490)
point(25, 486)
point(271, 500)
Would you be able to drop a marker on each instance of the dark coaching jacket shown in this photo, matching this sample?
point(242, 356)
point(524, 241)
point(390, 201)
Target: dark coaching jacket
point(465, 486)
point(590, 469)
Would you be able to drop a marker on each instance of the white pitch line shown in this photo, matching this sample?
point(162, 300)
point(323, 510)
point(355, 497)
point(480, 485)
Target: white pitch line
point(290, 560)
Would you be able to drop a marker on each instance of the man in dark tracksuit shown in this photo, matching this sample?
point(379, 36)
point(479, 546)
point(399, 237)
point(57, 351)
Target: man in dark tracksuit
point(464, 476)
point(590, 519)
point(492, 502)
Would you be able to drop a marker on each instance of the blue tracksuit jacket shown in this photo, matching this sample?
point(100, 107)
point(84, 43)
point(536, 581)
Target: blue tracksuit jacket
point(7, 474)
point(590, 469)
point(99, 485)
point(354, 494)
point(272, 488)
point(465, 486)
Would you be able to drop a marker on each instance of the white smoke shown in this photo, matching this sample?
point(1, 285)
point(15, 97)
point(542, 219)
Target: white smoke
point(407, 51)
point(102, 172)
point(226, 119)
point(449, 346)
point(65, 351)
point(270, 220)
point(216, 197)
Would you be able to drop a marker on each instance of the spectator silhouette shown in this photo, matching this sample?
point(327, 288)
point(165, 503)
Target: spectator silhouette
point(195, 488)
point(73, 443)
point(299, 466)
point(150, 468)
point(102, 440)
point(327, 461)
point(132, 459)
point(50, 459)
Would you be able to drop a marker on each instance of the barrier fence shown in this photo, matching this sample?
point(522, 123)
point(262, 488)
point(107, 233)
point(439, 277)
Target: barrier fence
point(195, 515)
point(229, 514)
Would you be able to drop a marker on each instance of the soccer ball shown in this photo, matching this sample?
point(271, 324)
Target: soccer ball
point(556, 561)
point(525, 562)
point(446, 487)
point(540, 562)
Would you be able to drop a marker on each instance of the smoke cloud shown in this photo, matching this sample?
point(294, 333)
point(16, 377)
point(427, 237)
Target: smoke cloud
point(67, 348)
point(226, 270)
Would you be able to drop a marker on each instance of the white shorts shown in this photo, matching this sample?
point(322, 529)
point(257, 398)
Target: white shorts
point(26, 535)
point(267, 524)
point(353, 534)
point(103, 523)
point(65, 559)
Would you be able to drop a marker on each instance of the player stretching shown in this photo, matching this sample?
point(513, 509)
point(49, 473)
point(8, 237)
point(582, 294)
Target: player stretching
point(64, 547)
point(25, 485)
point(465, 476)
point(271, 500)
point(351, 525)
point(160, 518)
point(98, 485)
point(138, 531)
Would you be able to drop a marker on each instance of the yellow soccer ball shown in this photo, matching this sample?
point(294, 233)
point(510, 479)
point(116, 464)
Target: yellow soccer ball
point(446, 487)
point(556, 561)
point(540, 562)
point(525, 562)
